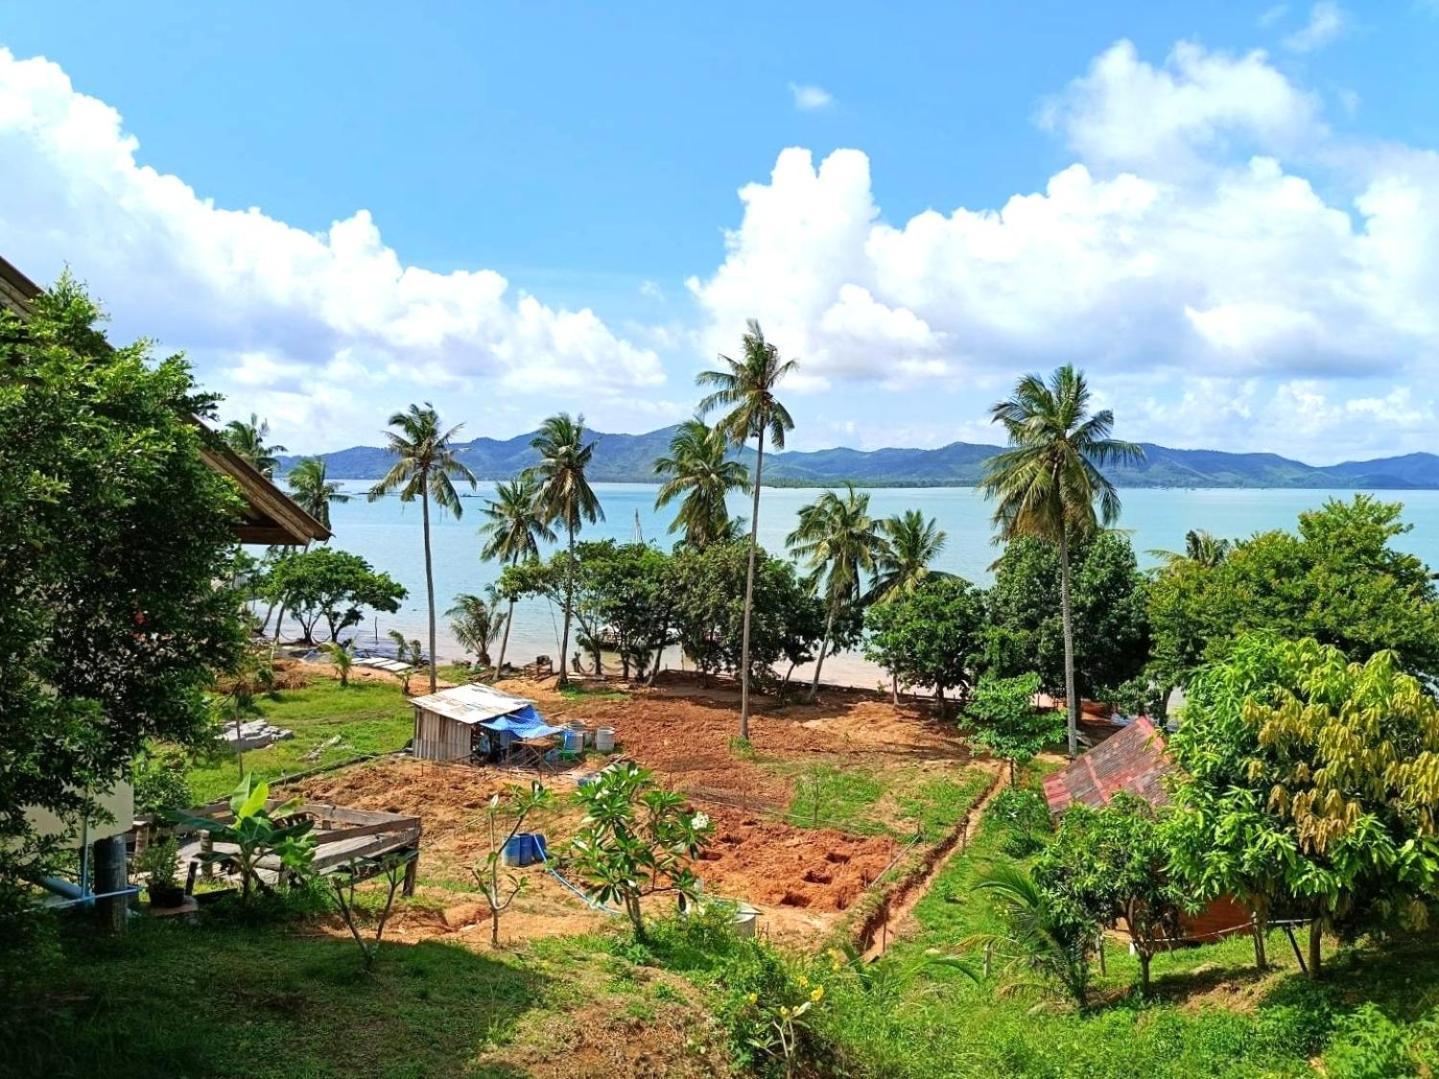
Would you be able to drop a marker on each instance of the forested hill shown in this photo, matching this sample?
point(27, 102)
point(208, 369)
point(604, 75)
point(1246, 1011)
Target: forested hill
point(630, 458)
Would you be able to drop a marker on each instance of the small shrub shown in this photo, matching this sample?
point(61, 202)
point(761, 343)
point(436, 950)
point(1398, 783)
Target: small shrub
point(160, 779)
point(160, 863)
point(1025, 818)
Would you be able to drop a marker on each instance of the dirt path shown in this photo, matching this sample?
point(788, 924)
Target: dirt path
point(896, 921)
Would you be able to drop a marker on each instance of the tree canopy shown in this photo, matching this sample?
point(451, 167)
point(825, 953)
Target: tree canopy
point(116, 532)
point(334, 586)
point(931, 636)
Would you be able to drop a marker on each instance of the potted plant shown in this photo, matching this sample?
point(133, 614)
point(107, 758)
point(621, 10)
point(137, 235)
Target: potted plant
point(160, 862)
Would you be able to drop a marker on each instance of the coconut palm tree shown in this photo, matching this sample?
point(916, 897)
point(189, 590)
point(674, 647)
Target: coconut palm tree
point(476, 622)
point(564, 496)
point(1049, 483)
point(841, 542)
point(1040, 948)
point(312, 489)
point(425, 468)
point(746, 387)
point(513, 532)
point(1201, 547)
point(911, 544)
point(700, 470)
point(248, 440)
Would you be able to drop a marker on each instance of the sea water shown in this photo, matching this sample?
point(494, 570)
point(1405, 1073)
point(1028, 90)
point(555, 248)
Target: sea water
point(387, 532)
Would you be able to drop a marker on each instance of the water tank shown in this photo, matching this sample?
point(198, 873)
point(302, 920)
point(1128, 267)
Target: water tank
point(605, 739)
point(574, 740)
point(745, 917)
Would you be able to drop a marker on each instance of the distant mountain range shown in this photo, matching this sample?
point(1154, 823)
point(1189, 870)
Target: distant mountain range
point(630, 459)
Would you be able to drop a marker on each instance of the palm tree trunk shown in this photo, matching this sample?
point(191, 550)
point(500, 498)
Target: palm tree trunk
point(505, 639)
point(823, 651)
point(1071, 697)
point(569, 606)
point(749, 591)
point(429, 576)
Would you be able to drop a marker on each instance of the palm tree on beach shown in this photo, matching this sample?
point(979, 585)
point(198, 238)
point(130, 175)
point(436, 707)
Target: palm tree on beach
point(841, 543)
point(513, 533)
point(248, 441)
point(1201, 547)
point(911, 544)
point(1049, 482)
point(700, 470)
point(564, 496)
point(905, 561)
point(312, 489)
point(747, 388)
point(425, 468)
point(476, 622)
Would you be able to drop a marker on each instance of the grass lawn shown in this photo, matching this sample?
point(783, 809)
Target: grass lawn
point(1211, 1013)
point(897, 799)
point(368, 717)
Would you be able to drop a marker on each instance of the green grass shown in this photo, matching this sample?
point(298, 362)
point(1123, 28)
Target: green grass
point(944, 1024)
point(858, 799)
point(829, 797)
point(937, 805)
point(368, 717)
point(578, 691)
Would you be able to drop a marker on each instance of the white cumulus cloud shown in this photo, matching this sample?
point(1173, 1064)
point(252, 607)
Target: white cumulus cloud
point(296, 319)
point(1327, 22)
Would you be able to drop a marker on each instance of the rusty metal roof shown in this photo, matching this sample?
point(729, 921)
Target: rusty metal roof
point(1132, 760)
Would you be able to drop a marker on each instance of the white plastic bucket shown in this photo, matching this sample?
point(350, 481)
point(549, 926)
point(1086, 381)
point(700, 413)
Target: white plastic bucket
point(605, 739)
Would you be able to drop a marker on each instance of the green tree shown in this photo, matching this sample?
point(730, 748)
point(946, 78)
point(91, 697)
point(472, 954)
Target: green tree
point(1040, 946)
point(930, 637)
point(517, 805)
point(513, 532)
point(115, 563)
point(1108, 864)
point(1309, 780)
point(1003, 716)
point(332, 585)
point(425, 468)
point(476, 622)
point(1338, 580)
point(746, 387)
point(248, 441)
point(1108, 612)
point(637, 839)
point(1050, 485)
point(312, 489)
point(565, 496)
point(700, 473)
point(841, 543)
point(912, 542)
point(630, 589)
point(1201, 547)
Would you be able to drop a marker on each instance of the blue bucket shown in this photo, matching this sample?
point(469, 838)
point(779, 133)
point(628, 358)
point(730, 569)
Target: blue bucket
point(525, 848)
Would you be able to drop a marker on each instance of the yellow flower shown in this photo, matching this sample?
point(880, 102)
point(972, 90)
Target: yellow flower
point(783, 1012)
point(818, 994)
point(754, 998)
point(803, 982)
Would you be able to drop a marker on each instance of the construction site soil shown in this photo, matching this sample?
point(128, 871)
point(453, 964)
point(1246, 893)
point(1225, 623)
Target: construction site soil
point(801, 879)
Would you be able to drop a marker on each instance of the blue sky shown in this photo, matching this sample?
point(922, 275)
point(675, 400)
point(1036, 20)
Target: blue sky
point(1222, 213)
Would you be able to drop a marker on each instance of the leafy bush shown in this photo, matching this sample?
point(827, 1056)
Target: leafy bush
point(160, 780)
point(1025, 817)
point(1367, 1044)
point(160, 862)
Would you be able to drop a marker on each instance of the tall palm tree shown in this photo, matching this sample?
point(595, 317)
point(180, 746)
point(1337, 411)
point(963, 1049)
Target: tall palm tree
point(699, 469)
point(841, 542)
point(425, 468)
point(248, 440)
point(564, 496)
point(312, 489)
point(513, 532)
point(911, 544)
point(746, 387)
point(1049, 483)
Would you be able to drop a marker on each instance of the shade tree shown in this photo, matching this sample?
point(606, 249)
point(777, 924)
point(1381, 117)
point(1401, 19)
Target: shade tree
point(333, 586)
point(933, 636)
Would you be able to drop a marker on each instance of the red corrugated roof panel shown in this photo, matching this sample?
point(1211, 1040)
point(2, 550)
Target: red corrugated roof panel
point(1133, 760)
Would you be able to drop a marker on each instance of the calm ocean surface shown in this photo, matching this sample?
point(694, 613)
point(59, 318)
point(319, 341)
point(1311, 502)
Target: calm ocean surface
point(387, 532)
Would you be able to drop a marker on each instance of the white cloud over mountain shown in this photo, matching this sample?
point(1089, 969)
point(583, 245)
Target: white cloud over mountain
point(1179, 243)
point(306, 323)
point(1229, 270)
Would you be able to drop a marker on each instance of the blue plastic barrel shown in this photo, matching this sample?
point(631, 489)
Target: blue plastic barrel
point(524, 848)
point(574, 740)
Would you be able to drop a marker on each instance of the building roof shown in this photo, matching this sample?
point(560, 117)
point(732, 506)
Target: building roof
point(270, 516)
point(472, 703)
point(1133, 760)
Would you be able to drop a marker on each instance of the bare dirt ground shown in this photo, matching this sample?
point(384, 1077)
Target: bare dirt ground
point(800, 879)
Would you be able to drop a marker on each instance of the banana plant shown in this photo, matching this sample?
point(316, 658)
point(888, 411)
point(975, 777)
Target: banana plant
point(257, 832)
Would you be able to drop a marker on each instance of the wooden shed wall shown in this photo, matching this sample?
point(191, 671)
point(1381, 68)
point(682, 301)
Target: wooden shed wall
point(439, 738)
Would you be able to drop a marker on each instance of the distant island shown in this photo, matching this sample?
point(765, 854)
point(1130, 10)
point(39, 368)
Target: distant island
point(630, 459)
